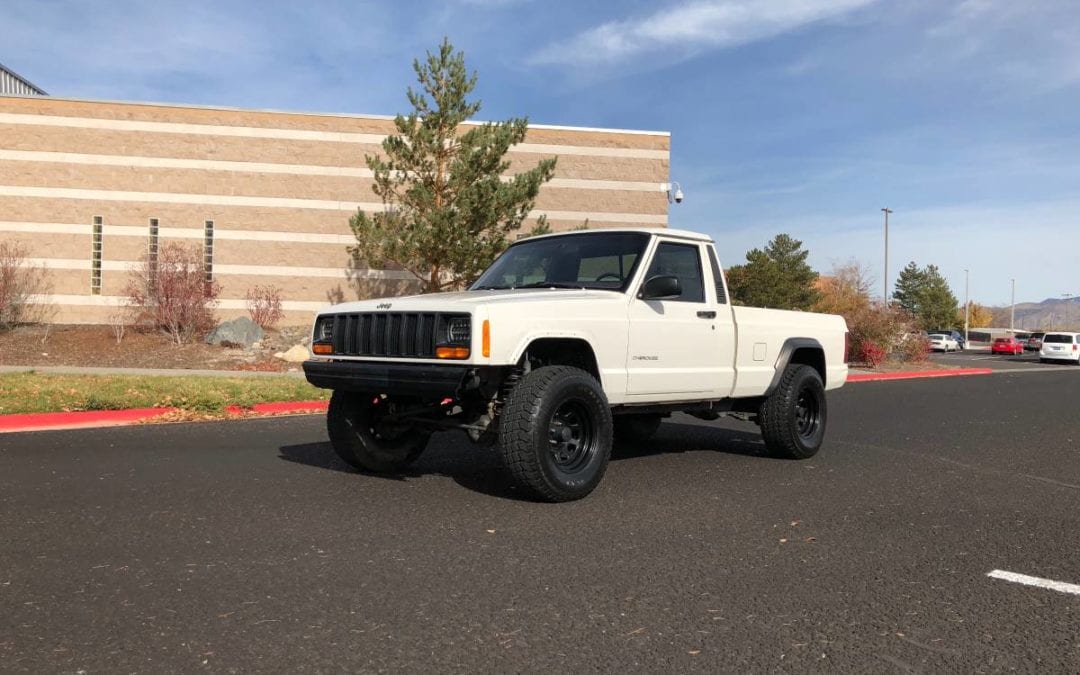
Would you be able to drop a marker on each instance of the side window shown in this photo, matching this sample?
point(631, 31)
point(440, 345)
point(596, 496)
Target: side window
point(682, 261)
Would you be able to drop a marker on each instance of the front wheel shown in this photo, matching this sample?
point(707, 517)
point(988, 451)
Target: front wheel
point(793, 417)
point(364, 432)
point(555, 433)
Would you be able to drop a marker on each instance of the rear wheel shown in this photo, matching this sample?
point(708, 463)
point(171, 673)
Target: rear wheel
point(793, 417)
point(364, 432)
point(555, 433)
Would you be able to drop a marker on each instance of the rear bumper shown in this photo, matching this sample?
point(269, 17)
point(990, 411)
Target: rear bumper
point(409, 379)
point(1060, 356)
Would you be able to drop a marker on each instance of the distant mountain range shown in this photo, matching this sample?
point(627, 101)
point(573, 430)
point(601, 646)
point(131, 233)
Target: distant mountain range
point(1050, 314)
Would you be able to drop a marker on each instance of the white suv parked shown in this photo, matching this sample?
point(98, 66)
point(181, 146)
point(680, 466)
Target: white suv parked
point(1060, 347)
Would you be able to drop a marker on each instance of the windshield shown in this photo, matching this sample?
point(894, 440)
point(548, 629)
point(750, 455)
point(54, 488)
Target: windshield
point(594, 260)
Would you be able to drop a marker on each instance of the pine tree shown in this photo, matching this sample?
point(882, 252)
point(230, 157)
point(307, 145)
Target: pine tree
point(777, 277)
point(908, 286)
point(448, 212)
point(925, 295)
point(937, 304)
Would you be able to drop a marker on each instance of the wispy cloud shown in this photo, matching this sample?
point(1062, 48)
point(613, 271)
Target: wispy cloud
point(693, 27)
point(1042, 38)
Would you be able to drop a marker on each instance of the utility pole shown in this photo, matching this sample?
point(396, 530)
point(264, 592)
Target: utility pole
point(1012, 307)
point(967, 308)
point(1067, 296)
point(885, 277)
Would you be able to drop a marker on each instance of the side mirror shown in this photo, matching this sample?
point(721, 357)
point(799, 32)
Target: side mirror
point(663, 287)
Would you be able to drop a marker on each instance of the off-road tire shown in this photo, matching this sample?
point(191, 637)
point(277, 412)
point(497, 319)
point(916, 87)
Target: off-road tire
point(793, 417)
point(542, 416)
point(351, 422)
point(635, 428)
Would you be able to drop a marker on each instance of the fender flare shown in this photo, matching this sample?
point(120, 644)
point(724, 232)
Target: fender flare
point(784, 357)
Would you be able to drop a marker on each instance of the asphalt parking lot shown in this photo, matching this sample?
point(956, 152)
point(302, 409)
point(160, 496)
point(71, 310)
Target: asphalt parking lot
point(982, 358)
point(249, 546)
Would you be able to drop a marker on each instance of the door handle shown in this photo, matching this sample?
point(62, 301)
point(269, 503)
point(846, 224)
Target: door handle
point(706, 315)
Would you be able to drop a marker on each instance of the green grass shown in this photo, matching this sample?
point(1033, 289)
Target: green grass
point(37, 393)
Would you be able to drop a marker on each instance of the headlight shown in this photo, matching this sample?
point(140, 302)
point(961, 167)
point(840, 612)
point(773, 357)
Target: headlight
point(459, 330)
point(324, 329)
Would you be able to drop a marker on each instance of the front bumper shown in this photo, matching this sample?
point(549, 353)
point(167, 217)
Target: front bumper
point(379, 377)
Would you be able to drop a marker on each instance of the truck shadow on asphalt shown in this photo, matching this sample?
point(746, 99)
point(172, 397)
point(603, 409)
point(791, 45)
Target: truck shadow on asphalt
point(479, 469)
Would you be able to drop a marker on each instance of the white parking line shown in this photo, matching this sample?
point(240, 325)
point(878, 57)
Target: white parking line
point(1060, 586)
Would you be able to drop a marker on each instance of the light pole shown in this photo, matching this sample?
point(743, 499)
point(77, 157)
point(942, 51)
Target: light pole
point(1067, 296)
point(967, 308)
point(885, 277)
point(1012, 307)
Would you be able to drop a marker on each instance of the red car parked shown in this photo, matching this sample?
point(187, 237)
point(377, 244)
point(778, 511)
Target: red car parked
point(1007, 345)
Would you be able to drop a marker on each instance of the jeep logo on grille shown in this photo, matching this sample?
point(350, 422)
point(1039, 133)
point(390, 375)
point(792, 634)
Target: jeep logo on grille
point(383, 305)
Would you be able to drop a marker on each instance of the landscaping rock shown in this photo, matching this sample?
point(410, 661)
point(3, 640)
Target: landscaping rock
point(297, 354)
point(241, 332)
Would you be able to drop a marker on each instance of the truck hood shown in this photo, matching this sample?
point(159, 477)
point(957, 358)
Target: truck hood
point(466, 301)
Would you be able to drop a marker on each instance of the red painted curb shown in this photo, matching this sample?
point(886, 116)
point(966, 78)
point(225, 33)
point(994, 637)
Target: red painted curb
point(111, 418)
point(77, 420)
point(917, 374)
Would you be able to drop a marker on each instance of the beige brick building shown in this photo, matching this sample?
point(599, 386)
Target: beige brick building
point(89, 186)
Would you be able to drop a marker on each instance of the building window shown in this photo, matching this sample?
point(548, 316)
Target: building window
point(152, 253)
point(95, 257)
point(208, 252)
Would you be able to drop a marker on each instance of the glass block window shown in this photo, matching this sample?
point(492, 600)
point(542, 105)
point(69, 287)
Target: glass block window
point(152, 252)
point(208, 252)
point(95, 256)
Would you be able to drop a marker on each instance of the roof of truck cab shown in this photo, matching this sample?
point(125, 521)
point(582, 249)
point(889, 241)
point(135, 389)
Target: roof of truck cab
point(659, 231)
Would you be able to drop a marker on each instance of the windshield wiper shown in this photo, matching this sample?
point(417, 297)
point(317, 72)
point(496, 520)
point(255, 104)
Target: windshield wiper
point(489, 288)
point(551, 284)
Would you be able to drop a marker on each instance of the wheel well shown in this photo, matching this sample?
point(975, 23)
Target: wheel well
point(810, 356)
point(562, 352)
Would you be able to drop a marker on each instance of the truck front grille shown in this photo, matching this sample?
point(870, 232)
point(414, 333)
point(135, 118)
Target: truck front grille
point(400, 334)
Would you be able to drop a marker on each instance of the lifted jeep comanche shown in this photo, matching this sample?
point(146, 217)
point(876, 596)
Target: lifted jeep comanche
point(566, 342)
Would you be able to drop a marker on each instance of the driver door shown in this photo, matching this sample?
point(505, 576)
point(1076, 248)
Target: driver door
point(674, 348)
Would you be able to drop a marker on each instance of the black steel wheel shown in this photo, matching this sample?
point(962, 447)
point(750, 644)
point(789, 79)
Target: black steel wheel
point(365, 432)
point(555, 433)
point(793, 417)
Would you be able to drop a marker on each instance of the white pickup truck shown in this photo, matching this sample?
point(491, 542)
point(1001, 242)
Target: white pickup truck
point(566, 342)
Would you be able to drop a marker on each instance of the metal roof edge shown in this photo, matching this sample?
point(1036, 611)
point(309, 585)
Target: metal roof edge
point(20, 78)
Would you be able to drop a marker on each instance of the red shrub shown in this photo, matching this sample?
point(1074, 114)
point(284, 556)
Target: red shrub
point(870, 353)
point(264, 305)
point(172, 293)
point(20, 282)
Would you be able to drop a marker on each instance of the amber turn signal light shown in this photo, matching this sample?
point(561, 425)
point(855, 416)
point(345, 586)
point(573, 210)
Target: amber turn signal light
point(451, 352)
point(485, 341)
point(322, 348)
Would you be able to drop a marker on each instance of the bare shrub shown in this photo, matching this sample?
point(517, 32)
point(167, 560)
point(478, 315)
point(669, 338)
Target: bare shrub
point(913, 348)
point(119, 319)
point(20, 283)
point(264, 305)
point(173, 295)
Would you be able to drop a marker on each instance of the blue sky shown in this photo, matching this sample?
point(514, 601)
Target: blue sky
point(797, 116)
